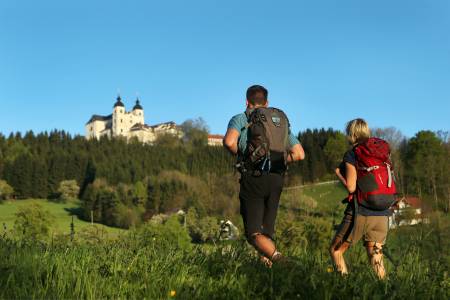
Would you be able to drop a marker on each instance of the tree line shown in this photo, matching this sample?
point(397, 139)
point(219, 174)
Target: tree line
point(122, 183)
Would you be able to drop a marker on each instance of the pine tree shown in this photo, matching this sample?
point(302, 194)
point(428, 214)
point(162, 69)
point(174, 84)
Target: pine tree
point(40, 179)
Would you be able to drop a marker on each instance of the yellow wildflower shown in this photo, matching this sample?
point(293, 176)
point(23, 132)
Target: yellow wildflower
point(330, 270)
point(173, 293)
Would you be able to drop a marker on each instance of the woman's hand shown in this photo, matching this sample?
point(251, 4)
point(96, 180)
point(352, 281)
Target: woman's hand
point(340, 177)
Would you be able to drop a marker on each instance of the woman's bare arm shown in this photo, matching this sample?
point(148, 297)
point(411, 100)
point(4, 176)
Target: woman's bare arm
point(351, 176)
point(340, 177)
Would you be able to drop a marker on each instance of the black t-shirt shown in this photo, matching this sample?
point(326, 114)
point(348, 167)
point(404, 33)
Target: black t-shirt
point(350, 157)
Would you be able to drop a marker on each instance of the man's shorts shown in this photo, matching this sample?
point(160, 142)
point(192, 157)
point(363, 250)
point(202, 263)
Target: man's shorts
point(369, 228)
point(259, 197)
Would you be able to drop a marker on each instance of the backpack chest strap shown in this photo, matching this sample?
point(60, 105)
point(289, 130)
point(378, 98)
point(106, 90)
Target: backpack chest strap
point(369, 169)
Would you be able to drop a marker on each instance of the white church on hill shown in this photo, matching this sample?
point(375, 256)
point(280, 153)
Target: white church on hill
point(128, 125)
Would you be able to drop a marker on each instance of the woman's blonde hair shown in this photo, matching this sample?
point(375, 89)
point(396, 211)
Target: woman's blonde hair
point(357, 131)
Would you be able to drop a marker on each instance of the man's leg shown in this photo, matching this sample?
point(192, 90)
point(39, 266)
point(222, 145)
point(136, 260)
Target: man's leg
point(274, 183)
point(252, 211)
point(264, 245)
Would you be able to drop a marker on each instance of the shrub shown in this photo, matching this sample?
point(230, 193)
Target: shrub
point(32, 222)
point(202, 229)
point(68, 189)
point(126, 217)
point(6, 191)
point(163, 236)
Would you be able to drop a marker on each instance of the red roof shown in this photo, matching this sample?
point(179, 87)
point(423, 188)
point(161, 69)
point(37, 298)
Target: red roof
point(215, 136)
point(412, 201)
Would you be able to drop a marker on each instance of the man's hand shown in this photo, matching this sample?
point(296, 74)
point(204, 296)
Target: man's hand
point(296, 153)
point(230, 141)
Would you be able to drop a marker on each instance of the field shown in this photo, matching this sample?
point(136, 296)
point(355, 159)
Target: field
point(159, 262)
point(62, 215)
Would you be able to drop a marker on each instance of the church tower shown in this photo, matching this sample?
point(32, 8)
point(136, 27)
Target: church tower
point(118, 117)
point(138, 112)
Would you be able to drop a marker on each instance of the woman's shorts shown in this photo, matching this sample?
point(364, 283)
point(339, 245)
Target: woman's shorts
point(368, 228)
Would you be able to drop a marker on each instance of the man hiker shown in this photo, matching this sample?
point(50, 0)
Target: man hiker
point(264, 144)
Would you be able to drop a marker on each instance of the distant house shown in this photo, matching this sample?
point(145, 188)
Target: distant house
point(407, 211)
point(215, 140)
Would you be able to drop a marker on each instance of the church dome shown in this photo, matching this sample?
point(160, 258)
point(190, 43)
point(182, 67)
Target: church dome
point(119, 102)
point(137, 105)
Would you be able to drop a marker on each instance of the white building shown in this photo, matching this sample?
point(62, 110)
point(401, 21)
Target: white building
point(128, 125)
point(407, 211)
point(215, 140)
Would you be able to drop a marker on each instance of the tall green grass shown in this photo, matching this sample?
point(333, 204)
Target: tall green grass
point(159, 263)
point(127, 268)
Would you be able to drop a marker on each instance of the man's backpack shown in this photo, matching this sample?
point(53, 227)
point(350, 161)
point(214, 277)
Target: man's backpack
point(375, 182)
point(267, 140)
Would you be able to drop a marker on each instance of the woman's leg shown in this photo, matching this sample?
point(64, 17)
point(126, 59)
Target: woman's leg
point(341, 241)
point(337, 251)
point(375, 254)
point(375, 239)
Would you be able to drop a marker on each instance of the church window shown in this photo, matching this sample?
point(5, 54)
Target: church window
point(121, 120)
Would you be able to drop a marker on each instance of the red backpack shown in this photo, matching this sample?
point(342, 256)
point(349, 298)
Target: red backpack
point(375, 184)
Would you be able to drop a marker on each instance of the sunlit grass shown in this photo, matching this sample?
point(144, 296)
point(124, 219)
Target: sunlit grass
point(62, 213)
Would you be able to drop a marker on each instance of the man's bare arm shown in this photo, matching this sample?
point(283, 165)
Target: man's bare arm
point(230, 141)
point(296, 153)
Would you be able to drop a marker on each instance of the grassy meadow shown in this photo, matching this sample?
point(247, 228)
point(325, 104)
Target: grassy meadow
point(61, 215)
point(157, 261)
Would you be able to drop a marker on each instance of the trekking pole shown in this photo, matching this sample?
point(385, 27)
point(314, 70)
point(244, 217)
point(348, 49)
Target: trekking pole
point(389, 256)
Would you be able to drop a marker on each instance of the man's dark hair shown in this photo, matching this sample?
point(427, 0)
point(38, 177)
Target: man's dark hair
point(257, 95)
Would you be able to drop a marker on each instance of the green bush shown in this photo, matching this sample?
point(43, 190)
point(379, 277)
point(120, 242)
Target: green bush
point(68, 190)
point(170, 234)
point(202, 229)
point(32, 222)
point(6, 191)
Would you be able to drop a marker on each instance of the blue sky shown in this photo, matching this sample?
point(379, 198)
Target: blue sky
point(324, 62)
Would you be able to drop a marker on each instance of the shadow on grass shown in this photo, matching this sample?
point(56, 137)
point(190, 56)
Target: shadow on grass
point(75, 211)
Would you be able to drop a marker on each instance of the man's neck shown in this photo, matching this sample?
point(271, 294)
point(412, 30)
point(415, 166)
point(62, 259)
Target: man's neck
point(254, 106)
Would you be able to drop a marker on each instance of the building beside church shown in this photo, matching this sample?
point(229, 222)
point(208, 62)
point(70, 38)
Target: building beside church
point(215, 140)
point(128, 125)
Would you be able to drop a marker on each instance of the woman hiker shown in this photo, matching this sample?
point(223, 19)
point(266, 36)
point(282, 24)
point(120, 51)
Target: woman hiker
point(370, 197)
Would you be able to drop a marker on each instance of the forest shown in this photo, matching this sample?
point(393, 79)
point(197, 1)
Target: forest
point(123, 183)
point(167, 255)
